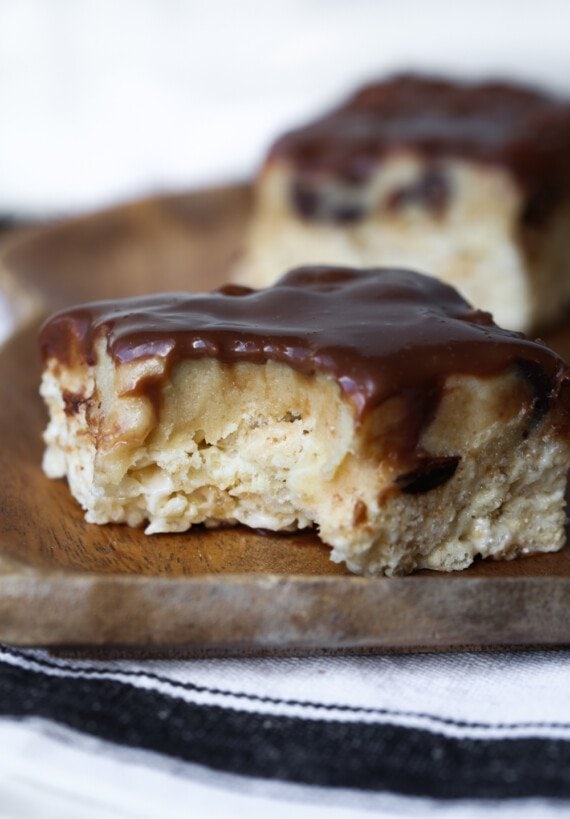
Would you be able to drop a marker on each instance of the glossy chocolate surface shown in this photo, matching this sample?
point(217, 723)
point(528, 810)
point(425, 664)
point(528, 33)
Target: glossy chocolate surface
point(496, 122)
point(378, 333)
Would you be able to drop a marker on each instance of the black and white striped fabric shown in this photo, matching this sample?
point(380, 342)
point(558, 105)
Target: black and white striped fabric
point(420, 734)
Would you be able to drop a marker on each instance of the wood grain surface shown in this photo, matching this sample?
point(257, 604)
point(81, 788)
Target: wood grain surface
point(65, 582)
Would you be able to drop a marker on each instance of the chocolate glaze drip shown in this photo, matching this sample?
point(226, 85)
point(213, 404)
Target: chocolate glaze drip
point(378, 333)
point(495, 122)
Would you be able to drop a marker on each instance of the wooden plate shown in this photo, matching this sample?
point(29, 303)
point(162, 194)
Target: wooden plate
point(64, 582)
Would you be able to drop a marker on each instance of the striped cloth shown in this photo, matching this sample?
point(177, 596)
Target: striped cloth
point(465, 735)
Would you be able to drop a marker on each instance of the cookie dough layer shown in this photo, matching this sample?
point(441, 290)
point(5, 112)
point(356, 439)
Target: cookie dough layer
point(269, 447)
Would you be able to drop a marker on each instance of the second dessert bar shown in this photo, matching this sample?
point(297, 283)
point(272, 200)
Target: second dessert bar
point(469, 182)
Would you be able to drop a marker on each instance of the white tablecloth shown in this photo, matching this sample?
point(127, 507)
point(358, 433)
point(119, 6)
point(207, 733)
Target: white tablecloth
point(465, 735)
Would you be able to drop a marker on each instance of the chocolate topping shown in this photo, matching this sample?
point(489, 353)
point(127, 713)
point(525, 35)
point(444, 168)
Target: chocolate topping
point(495, 122)
point(379, 333)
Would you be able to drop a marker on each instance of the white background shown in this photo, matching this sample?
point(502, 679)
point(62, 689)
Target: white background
point(101, 100)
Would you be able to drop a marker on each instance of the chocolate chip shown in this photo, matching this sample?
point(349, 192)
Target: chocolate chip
point(315, 204)
point(347, 214)
point(542, 385)
point(432, 190)
point(429, 473)
point(305, 200)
